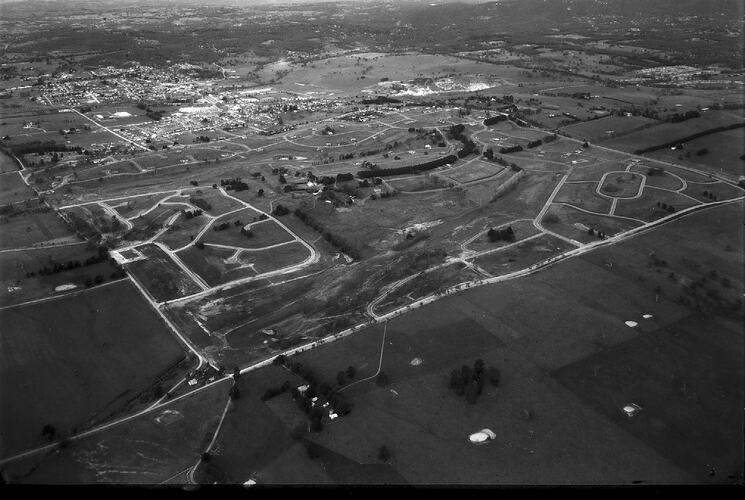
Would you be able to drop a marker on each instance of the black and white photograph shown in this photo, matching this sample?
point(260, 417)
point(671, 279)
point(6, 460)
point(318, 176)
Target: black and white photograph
point(354, 244)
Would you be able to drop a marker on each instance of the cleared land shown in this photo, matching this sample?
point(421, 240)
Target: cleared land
point(161, 276)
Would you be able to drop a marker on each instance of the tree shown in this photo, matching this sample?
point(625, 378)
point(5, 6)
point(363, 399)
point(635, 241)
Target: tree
point(299, 431)
point(316, 425)
point(49, 432)
point(351, 371)
point(341, 377)
point(236, 373)
point(494, 376)
point(472, 393)
point(382, 380)
point(478, 367)
point(314, 450)
point(384, 454)
point(234, 393)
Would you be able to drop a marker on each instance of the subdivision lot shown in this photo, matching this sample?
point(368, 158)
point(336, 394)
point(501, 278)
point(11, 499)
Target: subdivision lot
point(713, 192)
point(132, 207)
point(146, 226)
point(215, 203)
point(183, 231)
point(594, 170)
point(160, 275)
point(82, 357)
point(572, 223)
point(522, 255)
point(426, 284)
point(264, 261)
point(264, 234)
point(522, 229)
point(645, 207)
point(621, 184)
point(664, 180)
point(216, 266)
point(584, 196)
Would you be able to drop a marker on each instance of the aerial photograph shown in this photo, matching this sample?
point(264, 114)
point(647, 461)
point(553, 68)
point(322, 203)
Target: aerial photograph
point(364, 243)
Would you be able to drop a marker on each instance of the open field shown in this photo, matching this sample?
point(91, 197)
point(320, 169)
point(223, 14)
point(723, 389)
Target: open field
point(18, 287)
point(723, 156)
point(33, 228)
point(146, 450)
point(421, 421)
point(666, 132)
point(13, 189)
point(678, 375)
point(606, 128)
point(83, 357)
point(7, 164)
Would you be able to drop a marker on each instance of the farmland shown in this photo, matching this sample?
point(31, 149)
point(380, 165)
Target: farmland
point(329, 243)
point(106, 341)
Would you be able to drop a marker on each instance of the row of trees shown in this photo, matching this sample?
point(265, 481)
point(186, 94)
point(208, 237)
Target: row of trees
point(495, 119)
point(385, 172)
point(338, 241)
point(689, 138)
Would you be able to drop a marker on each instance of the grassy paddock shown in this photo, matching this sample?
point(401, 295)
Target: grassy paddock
point(81, 357)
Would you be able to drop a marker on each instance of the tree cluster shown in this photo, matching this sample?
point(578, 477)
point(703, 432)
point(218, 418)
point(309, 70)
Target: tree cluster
point(506, 234)
point(201, 203)
point(234, 184)
point(470, 381)
point(280, 210)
